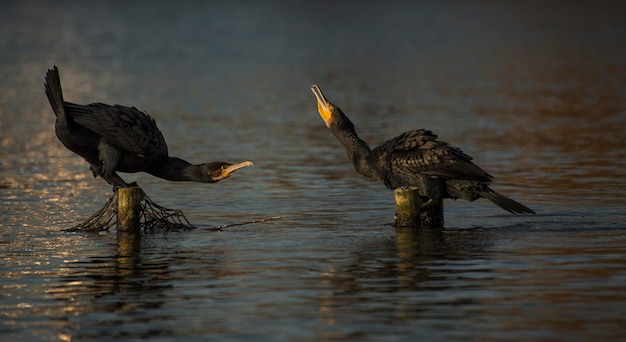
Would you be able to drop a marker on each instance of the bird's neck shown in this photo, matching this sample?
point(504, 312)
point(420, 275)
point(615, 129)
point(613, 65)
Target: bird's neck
point(176, 169)
point(358, 151)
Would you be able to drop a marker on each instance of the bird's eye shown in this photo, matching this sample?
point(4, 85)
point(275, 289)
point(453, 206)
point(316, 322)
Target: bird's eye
point(224, 167)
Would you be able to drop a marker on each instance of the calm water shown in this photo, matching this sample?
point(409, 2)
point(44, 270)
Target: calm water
point(535, 92)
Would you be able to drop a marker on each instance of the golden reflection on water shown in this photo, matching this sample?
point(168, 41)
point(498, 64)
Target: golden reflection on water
point(34, 165)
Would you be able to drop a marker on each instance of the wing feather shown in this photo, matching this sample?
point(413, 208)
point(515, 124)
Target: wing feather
point(126, 128)
point(418, 152)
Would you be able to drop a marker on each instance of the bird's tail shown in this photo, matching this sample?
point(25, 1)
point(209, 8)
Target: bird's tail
point(504, 202)
point(53, 90)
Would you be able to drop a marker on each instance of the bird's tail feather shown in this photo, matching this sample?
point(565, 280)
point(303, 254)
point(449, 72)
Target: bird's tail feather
point(504, 202)
point(53, 90)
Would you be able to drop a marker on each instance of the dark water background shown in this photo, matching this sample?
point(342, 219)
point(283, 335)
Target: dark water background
point(535, 91)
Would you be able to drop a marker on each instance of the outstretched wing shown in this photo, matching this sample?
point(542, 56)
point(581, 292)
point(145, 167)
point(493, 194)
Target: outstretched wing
point(126, 128)
point(418, 152)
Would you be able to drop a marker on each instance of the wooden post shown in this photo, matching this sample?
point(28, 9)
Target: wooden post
point(410, 213)
point(129, 209)
point(408, 204)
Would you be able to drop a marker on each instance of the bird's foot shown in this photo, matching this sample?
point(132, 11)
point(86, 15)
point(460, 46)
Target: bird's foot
point(427, 204)
point(131, 185)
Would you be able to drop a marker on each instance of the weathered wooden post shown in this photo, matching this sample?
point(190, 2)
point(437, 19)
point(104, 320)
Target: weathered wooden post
point(410, 213)
point(408, 204)
point(129, 209)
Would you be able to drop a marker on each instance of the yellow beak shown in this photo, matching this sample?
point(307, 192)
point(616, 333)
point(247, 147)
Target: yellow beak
point(228, 170)
point(324, 107)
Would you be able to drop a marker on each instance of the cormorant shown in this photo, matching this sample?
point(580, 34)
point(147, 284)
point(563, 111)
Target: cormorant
point(415, 160)
point(124, 139)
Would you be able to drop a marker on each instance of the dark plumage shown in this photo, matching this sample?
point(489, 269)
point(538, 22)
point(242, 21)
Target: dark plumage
point(415, 160)
point(124, 139)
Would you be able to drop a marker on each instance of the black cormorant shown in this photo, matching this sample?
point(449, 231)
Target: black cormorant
point(124, 139)
point(415, 160)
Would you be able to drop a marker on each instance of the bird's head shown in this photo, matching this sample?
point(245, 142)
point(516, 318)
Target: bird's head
point(219, 170)
point(324, 107)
